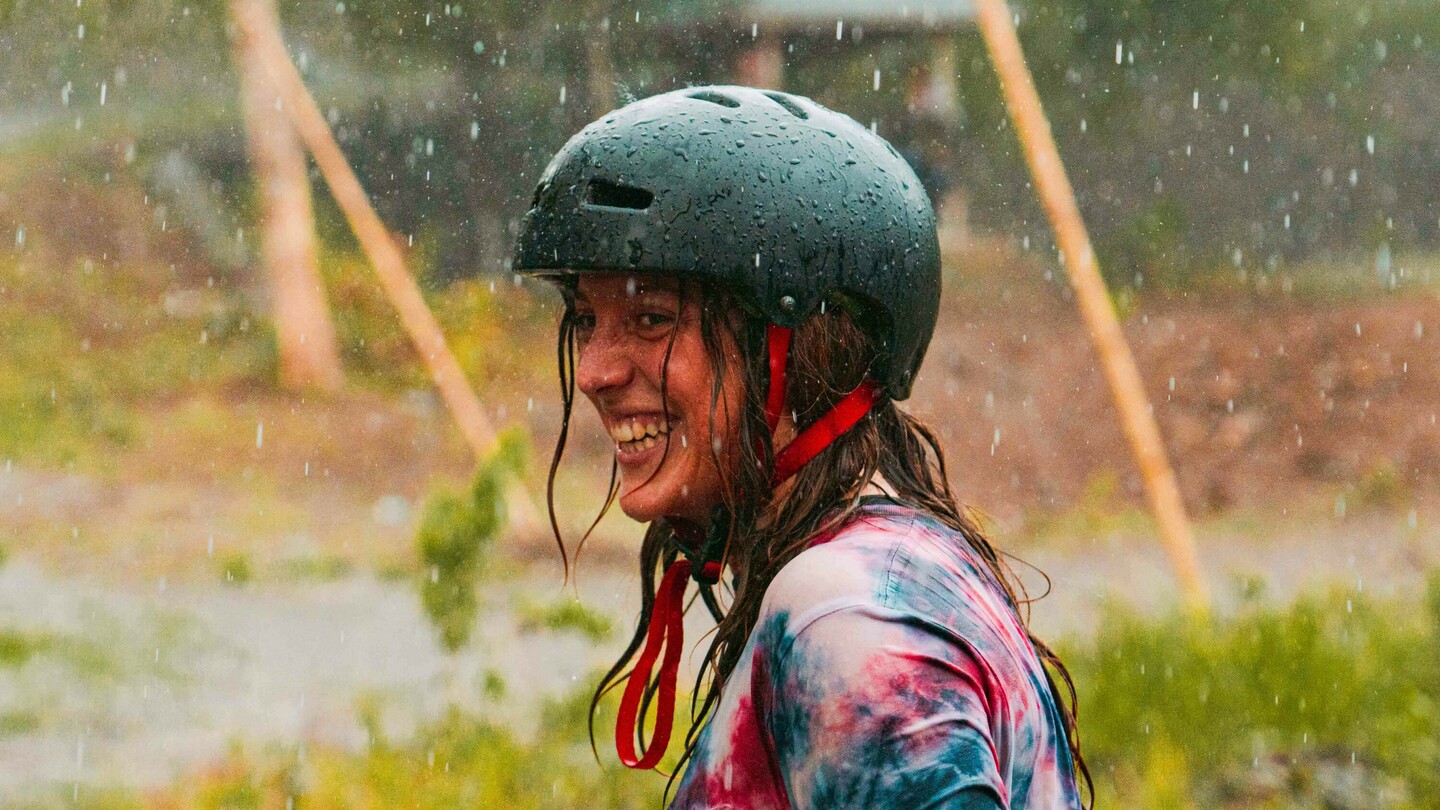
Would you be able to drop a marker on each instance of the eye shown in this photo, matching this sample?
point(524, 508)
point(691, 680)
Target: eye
point(654, 320)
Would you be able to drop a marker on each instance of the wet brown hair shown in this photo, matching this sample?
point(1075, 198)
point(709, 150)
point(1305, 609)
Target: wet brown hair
point(830, 354)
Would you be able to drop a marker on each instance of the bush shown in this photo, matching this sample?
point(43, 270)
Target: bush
point(1266, 705)
point(458, 761)
point(454, 535)
point(566, 614)
point(236, 570)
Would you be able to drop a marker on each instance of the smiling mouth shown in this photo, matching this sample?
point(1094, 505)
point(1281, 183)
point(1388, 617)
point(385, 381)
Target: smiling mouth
point(635, 435)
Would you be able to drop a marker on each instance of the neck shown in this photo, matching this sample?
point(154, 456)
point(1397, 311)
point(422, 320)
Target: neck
point(690, 531)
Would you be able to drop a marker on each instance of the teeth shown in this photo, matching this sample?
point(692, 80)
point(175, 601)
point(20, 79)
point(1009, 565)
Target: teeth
point(649, 442)
point(634, 430)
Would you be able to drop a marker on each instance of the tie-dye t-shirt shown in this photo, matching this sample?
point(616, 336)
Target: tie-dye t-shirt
point(887, 669)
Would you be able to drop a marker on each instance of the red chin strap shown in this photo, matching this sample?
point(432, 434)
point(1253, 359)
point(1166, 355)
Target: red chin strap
point(667, 619)
point(667, 627)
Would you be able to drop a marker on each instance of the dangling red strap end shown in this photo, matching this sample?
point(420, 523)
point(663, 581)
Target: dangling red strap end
point(830, 427)
point(667, 629)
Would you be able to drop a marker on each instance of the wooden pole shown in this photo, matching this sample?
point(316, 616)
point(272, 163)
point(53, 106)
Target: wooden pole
point(1051, 183)
point(304, 332)
point(263, 32)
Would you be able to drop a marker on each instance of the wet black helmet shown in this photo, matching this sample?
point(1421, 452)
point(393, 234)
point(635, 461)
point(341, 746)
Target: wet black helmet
point(788, 202)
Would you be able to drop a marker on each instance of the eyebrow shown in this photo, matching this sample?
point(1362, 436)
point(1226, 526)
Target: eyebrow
point(654, 286)
point(663, 286)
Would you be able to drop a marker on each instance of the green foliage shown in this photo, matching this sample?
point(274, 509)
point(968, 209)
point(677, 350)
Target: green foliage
point(323, 568)
point(17, 648)
point(458, 761)
point(18, 722)
point(1151, 244)
point(85, 657)
point(85, 350)
point(1382, 486)
point(236, 570)
point(566, 614)
point(1181, 709)
point(454, 535)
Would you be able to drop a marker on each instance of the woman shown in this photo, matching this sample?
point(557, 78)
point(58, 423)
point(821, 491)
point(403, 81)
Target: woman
point(750, 284)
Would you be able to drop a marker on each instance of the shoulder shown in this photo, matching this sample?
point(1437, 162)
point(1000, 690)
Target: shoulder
point(897, 567)
point(894, 557)
point(851, 565)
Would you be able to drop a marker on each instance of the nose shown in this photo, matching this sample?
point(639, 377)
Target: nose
point(604, 364)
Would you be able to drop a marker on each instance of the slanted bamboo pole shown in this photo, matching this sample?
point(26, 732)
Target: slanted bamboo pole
point(1051, 183)
point(261, 27)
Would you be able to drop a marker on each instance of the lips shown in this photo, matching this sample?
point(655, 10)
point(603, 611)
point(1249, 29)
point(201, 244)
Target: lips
point(638, 433)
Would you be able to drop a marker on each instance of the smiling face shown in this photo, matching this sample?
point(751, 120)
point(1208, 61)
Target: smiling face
point(624, 326)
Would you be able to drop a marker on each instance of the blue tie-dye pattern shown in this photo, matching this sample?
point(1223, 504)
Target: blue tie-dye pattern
point(887, 669)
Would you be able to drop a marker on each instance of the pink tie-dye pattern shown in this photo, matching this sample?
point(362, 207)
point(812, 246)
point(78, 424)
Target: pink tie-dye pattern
point(887, 669)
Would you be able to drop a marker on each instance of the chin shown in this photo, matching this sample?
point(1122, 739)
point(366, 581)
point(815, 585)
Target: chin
point(645, 508)
point(654, 500)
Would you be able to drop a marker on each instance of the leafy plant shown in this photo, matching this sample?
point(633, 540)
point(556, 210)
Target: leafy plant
point(566, 614)
point(236, 570)
point(1258, 705)
point(454, 535)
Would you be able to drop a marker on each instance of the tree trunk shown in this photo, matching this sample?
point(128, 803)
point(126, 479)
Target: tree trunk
point(599, 66)
point(304, 332)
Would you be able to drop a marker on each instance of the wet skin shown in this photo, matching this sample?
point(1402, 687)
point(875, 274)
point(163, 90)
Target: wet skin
point(663, 436)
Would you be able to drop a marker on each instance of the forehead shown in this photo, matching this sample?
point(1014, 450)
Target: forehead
point(611, 286)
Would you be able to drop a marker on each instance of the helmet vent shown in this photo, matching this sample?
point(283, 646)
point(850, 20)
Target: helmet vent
point(715, 98)
point(789, 104)
point(604, 194)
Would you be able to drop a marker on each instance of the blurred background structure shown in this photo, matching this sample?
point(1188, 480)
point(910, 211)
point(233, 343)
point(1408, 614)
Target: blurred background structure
point(246, 559)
